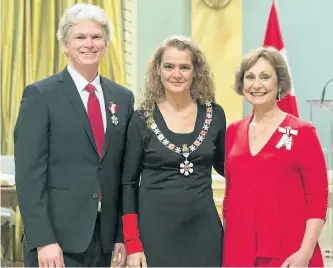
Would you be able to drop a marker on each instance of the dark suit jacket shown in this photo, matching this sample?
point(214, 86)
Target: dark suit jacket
point(58, 171)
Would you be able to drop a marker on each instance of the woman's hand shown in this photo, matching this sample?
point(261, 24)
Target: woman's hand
point(137, 260)
point(300, 258)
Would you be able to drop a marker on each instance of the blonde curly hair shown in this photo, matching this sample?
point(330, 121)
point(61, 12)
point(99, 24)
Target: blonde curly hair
point(202, 87)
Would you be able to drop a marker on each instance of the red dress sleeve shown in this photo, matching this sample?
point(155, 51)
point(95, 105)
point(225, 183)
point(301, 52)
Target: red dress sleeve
point(314, 173)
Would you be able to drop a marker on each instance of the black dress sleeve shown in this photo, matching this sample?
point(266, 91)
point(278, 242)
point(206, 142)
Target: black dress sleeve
point(133, 163)
point(219, 155)
point(119, 234)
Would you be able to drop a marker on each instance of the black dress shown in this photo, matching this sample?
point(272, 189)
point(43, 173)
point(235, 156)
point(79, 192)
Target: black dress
point(178, 221)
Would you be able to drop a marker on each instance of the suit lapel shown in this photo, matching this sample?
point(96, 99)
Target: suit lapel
point(72, 94)
point(108, 97)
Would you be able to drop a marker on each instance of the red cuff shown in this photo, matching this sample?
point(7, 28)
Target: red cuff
point(133, 246)
point(131, 233)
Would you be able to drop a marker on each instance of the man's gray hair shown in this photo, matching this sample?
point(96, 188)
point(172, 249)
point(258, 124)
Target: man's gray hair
point(82, 12)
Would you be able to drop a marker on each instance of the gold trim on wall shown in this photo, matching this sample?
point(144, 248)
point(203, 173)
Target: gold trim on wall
point(216, 4)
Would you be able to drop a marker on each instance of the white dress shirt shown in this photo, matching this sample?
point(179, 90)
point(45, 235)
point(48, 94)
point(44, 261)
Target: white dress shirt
point(81, 84)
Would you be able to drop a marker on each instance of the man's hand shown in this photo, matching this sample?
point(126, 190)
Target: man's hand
point(119, 248)
point(50, 256)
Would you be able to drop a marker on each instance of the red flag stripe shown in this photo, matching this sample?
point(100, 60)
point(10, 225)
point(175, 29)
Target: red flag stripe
point(273, 37)
point(289, 105)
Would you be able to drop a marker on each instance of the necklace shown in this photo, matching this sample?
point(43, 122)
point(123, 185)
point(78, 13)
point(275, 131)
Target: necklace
point(185, 116)
point(186, 167)
point(254, 135)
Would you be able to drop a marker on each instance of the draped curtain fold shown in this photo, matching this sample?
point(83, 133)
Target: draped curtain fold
point(30, 52)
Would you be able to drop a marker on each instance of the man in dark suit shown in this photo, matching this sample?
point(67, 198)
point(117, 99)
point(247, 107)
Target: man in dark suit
point(69, 145)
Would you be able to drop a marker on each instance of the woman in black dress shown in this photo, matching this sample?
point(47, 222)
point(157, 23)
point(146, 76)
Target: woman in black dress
point(174, 139)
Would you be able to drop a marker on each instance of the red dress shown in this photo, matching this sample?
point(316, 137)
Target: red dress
point(270, 196)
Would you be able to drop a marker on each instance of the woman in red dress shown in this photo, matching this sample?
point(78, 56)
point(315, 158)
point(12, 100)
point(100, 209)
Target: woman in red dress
point(275, 202)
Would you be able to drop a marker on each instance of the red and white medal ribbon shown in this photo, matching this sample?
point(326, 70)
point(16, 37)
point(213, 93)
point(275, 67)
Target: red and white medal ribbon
point(113, 109)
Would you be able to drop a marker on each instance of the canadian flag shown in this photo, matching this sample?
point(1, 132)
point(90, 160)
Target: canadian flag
point(273, 37)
